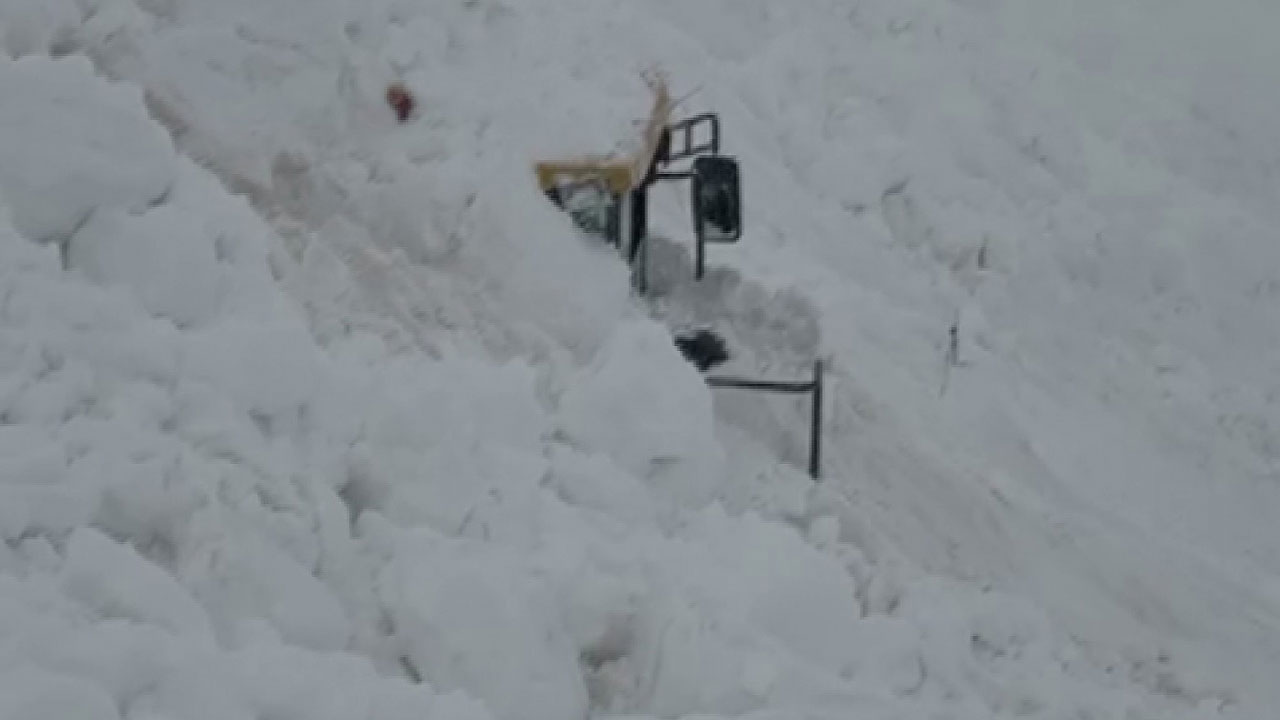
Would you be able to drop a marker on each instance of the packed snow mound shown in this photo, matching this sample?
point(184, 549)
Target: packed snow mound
point(68, 112)
point(635, 378)
point(185, 467)
point(305, 413)
point(129, 443)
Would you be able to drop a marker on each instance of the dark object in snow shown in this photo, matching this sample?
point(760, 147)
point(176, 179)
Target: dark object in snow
point(703, 348)
point(401, 101)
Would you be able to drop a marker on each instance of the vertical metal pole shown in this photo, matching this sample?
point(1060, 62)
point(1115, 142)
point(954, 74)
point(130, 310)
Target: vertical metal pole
point(815, 427)
point(638, 249)
point(639, 219)
point(700, 253)
point(642, 272)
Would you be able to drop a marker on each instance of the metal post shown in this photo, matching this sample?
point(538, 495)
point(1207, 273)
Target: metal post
point(815, 426)
point(700, 253)
point(642, 268)
point(639, 219)
point(638, 248)
point(814, 387)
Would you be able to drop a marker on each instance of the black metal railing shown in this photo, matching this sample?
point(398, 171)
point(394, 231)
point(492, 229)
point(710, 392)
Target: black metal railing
point(813, 386)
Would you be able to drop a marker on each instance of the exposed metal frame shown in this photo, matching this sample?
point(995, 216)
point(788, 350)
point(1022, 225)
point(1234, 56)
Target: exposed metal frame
point(813, 386)
point(664, 156)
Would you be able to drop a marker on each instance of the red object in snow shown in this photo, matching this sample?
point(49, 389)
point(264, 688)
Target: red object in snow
point(401, 101)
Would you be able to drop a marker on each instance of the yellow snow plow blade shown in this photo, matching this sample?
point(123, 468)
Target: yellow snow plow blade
point(620, 174)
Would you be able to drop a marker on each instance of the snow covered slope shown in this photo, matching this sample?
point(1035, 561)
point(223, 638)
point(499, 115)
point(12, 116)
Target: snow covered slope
point(308, 414)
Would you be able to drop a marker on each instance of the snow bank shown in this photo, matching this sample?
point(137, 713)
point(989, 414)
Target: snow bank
point(192, 468)
point(31, 694)
point(160, 557)
point(116, 582)
point(27, 29)
point(636, 377)
point(180, 278)
point(473, 617)
point(74, 144)
point(327, 416)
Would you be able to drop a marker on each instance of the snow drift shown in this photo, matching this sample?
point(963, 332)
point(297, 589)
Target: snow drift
point(305, 413)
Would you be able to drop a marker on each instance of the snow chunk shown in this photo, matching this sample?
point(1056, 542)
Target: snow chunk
point(28, 455)
point(26, 509)
point(767, 577)
point(265, 365)
point(117, 582)
point(595, 482)
point(637, 377)
point(448, 440)
point(16, 253)
point(256, 592)
point(70, 143)
point(29, 694)
point(34, 27)
point(167, 259)
point(474, 618)
point(888, 654)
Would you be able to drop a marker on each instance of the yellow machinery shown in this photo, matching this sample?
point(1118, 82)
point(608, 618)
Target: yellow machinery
point(607, 195)
point(620, 175)
point(603, 192)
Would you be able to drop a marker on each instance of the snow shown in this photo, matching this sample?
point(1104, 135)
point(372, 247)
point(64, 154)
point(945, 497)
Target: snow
point(473, 619)
point(610, 407)
point(32, 694)
point(72, 112)
point(115, 582)
point(305, 413)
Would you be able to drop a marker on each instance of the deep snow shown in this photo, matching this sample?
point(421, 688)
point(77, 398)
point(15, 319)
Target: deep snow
point(307, 414)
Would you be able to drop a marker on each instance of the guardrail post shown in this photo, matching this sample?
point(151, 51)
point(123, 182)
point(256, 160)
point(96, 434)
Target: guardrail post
point(637, 245)
point(815, 425)
point(700, 253)
point(813, 387)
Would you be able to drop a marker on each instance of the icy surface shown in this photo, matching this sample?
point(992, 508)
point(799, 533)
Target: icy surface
point(307, 414)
